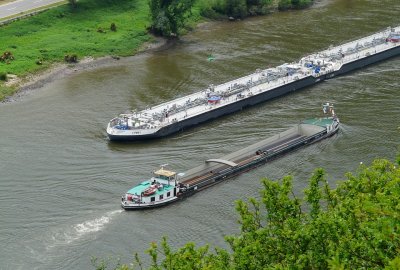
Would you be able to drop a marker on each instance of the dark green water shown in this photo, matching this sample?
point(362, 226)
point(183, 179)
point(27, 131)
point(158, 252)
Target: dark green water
point(61, 179)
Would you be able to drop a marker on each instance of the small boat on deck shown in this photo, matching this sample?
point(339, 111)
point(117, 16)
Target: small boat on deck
point(164, 188)
point(161, 189)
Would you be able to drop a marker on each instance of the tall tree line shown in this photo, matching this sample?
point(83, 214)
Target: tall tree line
point(169, 16)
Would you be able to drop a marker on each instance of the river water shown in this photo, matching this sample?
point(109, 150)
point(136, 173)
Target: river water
point(61, 179)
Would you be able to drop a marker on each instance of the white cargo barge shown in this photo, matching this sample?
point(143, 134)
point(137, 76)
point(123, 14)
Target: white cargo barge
point(263, 85)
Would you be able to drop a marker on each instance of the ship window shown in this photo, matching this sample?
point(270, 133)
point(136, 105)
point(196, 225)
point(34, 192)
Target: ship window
point(152, 199)
point(161, 197)
point(168, 194)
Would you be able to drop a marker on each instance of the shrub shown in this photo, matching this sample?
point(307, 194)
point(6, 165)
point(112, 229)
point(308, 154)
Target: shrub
point(284, 4)
point(7, 56)
point(113, 27)
point(236, 8)
point(3, 76)
point(301, 3)
point(101, 30)
point(212, 9)
point(71, 58)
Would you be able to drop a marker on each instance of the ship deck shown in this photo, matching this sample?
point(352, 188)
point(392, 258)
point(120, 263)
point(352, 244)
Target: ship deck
point(137, 190)
point(240, 159)
point(243, 160)
point(263, 80)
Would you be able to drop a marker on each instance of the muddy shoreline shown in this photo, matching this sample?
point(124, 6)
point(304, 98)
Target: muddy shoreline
point(29, 83)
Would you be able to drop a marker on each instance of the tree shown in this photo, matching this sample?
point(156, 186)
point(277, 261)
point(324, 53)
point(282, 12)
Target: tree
point(73, 3)
point(236, 8)
point(355, 226)
point(169, 16)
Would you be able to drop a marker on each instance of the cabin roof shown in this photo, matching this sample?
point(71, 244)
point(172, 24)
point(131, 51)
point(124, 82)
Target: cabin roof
point(322, 122)
point(164, 172)
point(138, 189)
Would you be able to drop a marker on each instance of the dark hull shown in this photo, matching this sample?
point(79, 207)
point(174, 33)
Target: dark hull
point(125, 138)
point(142, 207)
point(234, 171)
point(256, 99)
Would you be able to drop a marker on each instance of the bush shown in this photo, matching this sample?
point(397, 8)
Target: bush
point(113, 27)
point(284, 4)
point(236, 8)
point(71, 58)
point(213, 9)
point(101, 30)
point(3, 76)
point(6, 57)
point(208, 12)
point(301, 3)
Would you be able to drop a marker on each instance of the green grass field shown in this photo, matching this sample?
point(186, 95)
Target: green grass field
point(49, 36)
point(39, 41)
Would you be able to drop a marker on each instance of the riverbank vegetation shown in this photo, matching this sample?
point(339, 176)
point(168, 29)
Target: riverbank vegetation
point(168, 17)
point(83, 31)
point(95, 28)
point(242, 8)
point(355, 226)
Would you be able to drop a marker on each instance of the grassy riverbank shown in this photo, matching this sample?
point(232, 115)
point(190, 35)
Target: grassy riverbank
point(34, 44)
point(40, 41)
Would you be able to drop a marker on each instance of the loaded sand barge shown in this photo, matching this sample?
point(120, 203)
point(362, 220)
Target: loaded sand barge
point(166, 186)
point(263, 85)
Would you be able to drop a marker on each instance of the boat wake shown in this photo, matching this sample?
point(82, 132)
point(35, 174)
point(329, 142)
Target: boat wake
point(76, 232)
point(59, 240)
point(92, 225)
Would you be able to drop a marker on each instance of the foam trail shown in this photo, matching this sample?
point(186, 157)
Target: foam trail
point(77, 231)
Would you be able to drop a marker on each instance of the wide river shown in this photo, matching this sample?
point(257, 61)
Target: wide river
point(61, 179)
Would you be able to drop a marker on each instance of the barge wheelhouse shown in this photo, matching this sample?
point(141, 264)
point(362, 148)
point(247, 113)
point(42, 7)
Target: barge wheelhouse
point(161, 189)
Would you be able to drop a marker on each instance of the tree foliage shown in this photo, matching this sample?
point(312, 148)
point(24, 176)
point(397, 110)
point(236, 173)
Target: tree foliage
point(169, 16)
point(235, 8)
point(73, 3)
point(284, 4)
point(355, 226)
point(296, 4)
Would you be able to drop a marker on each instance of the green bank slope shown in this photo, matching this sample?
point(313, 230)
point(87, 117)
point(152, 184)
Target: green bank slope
point(39, 41)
